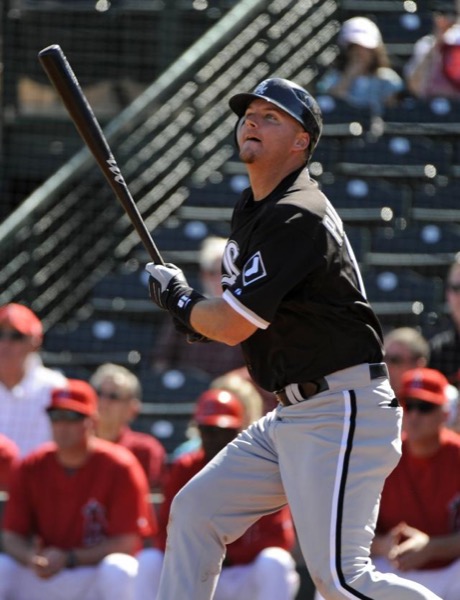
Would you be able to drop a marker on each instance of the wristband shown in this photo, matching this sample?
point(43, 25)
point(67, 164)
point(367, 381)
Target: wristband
point(180, 302)
point(71, 560)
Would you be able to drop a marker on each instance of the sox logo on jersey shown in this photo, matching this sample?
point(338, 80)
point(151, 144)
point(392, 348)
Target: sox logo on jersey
point(253, 269)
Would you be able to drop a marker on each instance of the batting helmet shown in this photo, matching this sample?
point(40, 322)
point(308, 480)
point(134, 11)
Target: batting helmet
point(291, 98)
point(219, 408)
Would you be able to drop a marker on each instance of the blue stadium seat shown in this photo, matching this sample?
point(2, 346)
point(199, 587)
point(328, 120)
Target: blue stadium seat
point(367, 202)
point(402, 294)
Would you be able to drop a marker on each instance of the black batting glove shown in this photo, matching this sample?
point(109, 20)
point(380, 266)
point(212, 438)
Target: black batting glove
point(170, 290)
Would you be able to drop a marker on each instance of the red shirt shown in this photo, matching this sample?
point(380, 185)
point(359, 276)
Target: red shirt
point(275, 529)
point(149, 452)
point(9, 455)
point(105, 497)
point(425, 492)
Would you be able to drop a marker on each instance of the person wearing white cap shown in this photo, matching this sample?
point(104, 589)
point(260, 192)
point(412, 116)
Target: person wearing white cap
point(362, 75)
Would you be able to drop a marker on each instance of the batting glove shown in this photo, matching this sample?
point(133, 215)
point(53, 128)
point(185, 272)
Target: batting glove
point(170, 290)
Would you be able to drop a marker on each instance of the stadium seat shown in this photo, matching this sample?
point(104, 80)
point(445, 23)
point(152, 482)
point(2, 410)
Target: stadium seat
point(399, 149)
point(402, 294)
point(94, 341)
point(437, 203)
point(168, 403)
point(425, 247)
point(366, 202)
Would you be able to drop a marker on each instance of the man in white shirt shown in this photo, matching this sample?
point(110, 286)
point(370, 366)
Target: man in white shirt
point(25, 384)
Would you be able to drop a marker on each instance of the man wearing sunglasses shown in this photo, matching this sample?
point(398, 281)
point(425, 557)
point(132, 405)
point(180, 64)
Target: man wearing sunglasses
point(418, 529)
point(77, 512)
point(25, 384)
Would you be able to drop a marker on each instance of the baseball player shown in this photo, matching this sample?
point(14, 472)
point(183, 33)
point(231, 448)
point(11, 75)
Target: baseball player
point(294, 298)
point(77, 511)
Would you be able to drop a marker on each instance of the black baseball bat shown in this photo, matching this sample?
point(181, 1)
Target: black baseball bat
point(65, 82)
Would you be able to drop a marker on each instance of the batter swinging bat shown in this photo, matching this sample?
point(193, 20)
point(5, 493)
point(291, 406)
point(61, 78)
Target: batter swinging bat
point(62, 77)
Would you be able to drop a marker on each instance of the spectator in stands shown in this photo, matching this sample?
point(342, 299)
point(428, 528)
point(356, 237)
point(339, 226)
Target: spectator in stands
point(362, 75)
point(445, 346)
point(119, 402)
point(259, 565)
point(9, 455)
point(239, 384)
point(405, 348)
point(77, 511)
point(433, 70)
point(25, 384)
point(173, 351)
point(418, 528)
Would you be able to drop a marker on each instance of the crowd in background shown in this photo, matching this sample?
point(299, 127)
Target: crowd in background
point(80, 521)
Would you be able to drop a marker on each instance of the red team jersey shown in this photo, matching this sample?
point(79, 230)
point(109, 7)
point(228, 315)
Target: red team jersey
point(149, 452)
point(425, 492)
point(9, 455)
point(105, 497)
point(275, 529)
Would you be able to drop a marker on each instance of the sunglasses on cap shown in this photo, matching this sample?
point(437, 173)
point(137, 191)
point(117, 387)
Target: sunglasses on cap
point(420, 406)
point(69, 416)
point(13, 336)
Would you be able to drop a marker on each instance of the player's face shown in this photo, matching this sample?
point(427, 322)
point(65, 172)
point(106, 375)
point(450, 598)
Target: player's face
point(214, 439)
point(268, 134)
point(115, 405)
point(421, 427)
point(399, 359)
point(71, 435)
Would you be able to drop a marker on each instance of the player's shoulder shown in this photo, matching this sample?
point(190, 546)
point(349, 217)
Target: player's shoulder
point(43, 454)
point(304, 194)
point(189, 460)
point(140, 440)
point(450, 439)
point(111, 453)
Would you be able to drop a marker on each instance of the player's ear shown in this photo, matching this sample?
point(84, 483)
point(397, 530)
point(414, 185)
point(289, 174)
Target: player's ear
point(302, 141)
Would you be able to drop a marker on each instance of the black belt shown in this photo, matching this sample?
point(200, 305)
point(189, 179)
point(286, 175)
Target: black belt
point(311, 388)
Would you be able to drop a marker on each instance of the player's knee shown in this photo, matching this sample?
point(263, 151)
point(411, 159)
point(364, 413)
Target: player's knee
point(188, 507)
point(277, 565)
point(8, 573)
point(116, 575)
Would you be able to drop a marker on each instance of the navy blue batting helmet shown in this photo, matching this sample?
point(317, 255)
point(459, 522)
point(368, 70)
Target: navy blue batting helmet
point(291, 98)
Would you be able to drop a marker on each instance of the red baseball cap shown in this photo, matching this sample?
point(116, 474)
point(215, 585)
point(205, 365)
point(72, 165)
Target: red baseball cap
point(22, 319)
point(77, 395)
point(429, 385)
point(220, 409)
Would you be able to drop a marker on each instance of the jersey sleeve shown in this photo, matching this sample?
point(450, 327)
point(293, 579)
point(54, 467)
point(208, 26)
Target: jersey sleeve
point(283, 252)
point(18, 510)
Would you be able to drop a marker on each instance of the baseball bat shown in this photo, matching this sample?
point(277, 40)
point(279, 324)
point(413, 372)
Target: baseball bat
point(65, 82)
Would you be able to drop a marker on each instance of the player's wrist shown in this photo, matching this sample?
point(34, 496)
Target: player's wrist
point(71, 560)
point(180, 301)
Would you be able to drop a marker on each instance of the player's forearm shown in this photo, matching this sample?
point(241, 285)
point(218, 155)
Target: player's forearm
point(445, 547)
point(215, 319)
point(18, 547)
point(125, 544)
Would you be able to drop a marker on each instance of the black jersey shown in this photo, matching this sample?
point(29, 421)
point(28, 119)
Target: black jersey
point(289, 269)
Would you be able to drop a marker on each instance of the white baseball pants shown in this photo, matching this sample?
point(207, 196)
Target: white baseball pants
point(112, 579)
point(328, 457)
point(272, 576)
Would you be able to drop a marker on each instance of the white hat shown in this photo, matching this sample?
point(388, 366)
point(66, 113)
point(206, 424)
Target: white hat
point(361, 31)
